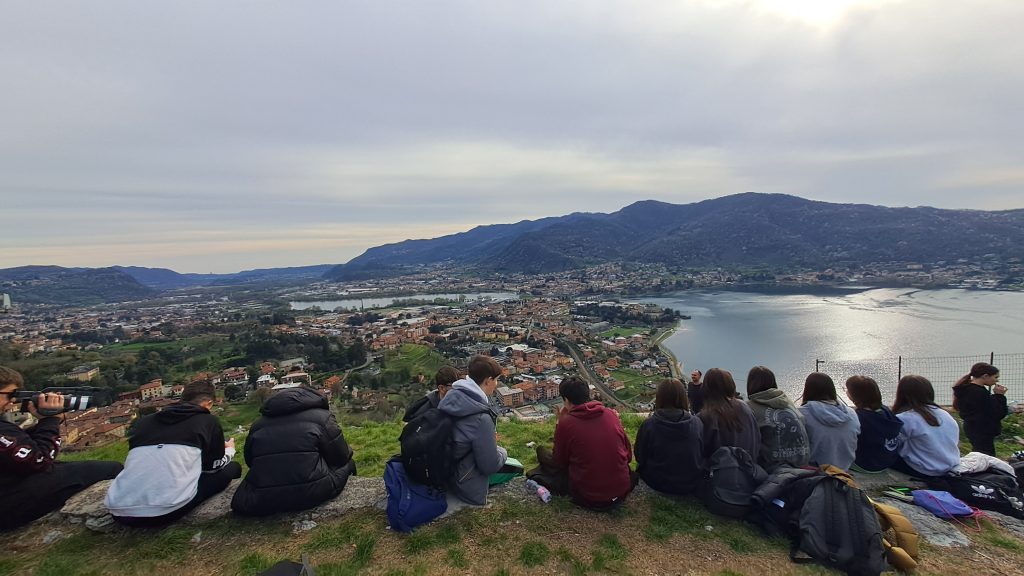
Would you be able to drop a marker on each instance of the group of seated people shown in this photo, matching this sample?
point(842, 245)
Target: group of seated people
point(298, 457)
point(177, 459)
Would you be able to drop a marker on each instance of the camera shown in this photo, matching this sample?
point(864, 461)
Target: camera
point(77, 398)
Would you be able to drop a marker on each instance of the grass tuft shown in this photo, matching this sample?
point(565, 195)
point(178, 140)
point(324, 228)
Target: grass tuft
point(254, 564)
point(534, 554)
point(457, 558)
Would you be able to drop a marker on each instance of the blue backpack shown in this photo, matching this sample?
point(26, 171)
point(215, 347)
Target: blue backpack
point(410, 504)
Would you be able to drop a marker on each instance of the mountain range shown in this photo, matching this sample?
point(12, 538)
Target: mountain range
point(747, 229)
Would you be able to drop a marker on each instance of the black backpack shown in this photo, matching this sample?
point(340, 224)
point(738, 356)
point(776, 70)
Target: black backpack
point(732, 478)
point(427, 448)
point(989, 490)
point(834, 523)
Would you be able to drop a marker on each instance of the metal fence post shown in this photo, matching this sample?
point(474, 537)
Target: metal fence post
point(817, 364)
point(991, 357)
point(899, 368)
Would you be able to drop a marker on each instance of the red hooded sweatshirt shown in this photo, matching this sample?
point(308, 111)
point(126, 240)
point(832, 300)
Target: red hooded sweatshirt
point(591, 444)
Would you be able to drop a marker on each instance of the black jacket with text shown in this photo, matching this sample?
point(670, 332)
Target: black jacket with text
point(27, 452)
point(297, 456)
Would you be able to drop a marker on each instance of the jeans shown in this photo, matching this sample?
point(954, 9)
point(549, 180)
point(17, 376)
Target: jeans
point(39, 494)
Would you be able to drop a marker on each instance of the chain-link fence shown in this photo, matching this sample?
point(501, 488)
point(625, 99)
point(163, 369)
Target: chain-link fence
point(942, 371)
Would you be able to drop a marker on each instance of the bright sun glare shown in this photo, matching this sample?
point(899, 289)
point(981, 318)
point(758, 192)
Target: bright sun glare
point(818, 12)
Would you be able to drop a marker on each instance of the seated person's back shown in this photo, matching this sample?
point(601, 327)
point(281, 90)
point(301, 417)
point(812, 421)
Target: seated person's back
point(727, 421)
point(832, 427)
point(592, 447)
point(929, 440)
point(670, 443)
point(297, 456)
point(783, 434)
point(476, 451)
point(177, 458)
point(879, 439)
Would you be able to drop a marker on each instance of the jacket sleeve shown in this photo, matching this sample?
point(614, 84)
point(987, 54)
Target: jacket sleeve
point(999, 409)
point(25, 452)
point(560, 453)
point(625, 438)
point(214, 454)
point(638, 450)
point(333, 447)
point(489, 457)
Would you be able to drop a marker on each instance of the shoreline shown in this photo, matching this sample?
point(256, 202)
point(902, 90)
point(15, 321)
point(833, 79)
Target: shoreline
point(675, 368)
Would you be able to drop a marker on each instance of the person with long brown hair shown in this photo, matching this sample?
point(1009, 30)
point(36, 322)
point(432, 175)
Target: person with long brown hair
point(670, 443)
point(783, 435)
point(879, 439)
point(832, 426)
point(727, 421)
point(929, 441)
point(982, 410)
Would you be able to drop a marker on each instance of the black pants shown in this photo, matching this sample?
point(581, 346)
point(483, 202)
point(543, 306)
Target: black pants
point(39, 494)
point(210, 484)
point(984, 443)
point(556, 480)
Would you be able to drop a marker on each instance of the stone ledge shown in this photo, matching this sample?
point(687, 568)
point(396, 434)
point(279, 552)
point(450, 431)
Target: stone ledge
point(87, 507)
point(932, 529)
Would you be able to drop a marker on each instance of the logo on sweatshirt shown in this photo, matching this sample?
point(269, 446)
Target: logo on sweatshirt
point(983, 491)
point(892, 444)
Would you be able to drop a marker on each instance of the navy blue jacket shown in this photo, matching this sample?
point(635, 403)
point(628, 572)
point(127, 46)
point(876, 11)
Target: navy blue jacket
point(879, 440)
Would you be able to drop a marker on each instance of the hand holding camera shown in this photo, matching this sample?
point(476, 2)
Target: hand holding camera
point(54, 401)
point(46, 404)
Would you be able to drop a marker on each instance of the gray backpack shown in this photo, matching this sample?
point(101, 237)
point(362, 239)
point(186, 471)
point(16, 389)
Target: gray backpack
point(838, 527)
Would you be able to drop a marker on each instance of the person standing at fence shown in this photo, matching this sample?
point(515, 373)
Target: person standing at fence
point(981, 409)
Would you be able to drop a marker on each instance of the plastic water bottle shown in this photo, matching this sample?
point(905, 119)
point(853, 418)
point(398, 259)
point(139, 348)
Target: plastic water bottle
point(539, 490)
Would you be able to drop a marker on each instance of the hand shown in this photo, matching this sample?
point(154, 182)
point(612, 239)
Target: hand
point(999, 389)
point(230, 443)
point(560, 414)
point(47, 401)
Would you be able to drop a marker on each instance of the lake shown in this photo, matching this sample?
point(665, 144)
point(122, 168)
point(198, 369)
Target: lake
point(938, 333)
point(357, 303)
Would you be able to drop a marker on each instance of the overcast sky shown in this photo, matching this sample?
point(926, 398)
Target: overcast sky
point(220, 136)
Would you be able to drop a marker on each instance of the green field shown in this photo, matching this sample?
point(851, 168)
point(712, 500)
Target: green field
point(635, 390)
point(413, 359)
point(626, 331)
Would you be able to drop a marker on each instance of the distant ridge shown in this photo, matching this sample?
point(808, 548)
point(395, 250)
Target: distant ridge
point(59, 285)
point(163, 278)
point(54, 284)
point(749, 229)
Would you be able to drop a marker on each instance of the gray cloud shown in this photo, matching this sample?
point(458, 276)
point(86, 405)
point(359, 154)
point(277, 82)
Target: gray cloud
point(229, 135)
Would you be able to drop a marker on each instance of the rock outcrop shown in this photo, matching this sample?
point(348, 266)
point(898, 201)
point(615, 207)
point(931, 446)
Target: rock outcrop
point(87, 507)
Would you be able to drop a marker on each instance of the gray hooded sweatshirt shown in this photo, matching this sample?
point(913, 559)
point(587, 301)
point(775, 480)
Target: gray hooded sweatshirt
point(832, 430)
point(783, 435)
point(477, 453)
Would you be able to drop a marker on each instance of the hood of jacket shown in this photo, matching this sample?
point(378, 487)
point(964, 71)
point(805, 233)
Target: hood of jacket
point(465, 398)
point(180, 412)
point(831, 415)
point(772, 398)
point(588, 411)
point(884, 421)
point(672, 417)
point(292, 400)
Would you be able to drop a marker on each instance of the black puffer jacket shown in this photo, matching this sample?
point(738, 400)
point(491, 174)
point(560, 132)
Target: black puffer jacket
point(297, 456)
